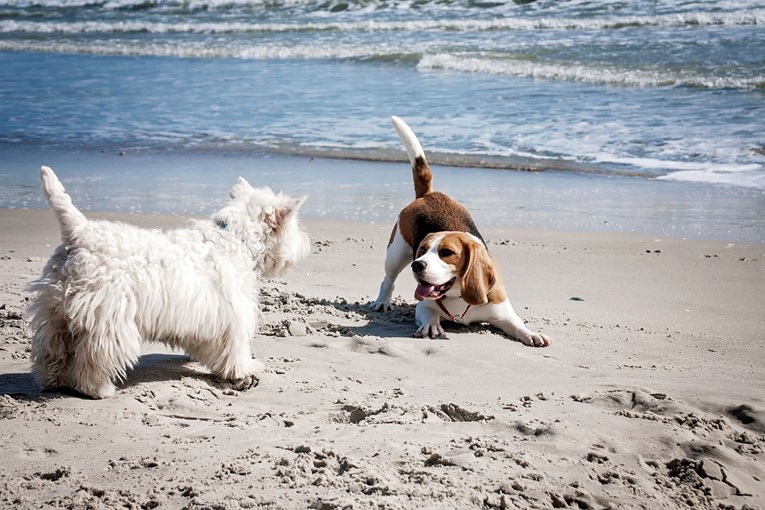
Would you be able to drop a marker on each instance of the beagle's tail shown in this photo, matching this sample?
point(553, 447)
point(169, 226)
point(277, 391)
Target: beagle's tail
point(423, 179)
point(69, 218)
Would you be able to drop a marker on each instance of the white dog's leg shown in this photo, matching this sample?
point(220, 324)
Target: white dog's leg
point(51, 353)
point(428, 320)
point(111, 345)
point(231, 358)
point(398, 256)
point(52, 342)
point(92, 367)
point(511, 324)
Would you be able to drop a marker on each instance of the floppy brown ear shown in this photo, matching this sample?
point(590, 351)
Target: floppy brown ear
point(479, 276)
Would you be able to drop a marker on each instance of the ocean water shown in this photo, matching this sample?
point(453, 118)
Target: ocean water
point(667, 93)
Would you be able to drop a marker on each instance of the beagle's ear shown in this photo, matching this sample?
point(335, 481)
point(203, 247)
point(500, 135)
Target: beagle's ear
point(479, 276)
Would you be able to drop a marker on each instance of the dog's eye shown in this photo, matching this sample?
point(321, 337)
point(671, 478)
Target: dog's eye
point(445, 252)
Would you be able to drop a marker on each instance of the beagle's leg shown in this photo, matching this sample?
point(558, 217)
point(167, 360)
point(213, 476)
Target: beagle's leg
point(428, 320)
point(398, 257)
point(509, 322)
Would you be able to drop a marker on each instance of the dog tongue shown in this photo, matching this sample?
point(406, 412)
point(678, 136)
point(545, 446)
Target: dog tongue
point(424, 290)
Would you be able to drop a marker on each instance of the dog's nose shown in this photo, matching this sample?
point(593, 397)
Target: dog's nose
point(418, 266)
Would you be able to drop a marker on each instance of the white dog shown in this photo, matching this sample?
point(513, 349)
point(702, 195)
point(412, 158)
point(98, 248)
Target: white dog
point(111, 285)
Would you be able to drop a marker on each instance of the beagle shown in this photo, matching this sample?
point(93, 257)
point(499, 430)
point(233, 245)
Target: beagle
point(457, 278)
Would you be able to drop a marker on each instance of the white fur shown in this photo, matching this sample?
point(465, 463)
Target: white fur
point(411, 143)
point(110, 286)
point(399, 255)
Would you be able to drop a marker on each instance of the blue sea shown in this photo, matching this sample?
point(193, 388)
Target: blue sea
point(640, 116)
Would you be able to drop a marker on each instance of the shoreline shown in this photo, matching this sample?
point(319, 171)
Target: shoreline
point(188, 182)
point(650, 395)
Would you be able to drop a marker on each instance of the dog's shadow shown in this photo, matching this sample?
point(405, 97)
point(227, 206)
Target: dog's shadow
point(150, 368)
point(160, 367)
point(20, 386)
point(169, 367)
point(396, 323)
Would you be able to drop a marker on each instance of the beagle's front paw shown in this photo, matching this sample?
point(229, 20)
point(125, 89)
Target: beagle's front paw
point(534, 339)
point(431, 329)
point(381, 305)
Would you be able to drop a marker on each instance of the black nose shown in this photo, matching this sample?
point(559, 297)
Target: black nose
point(418, 266)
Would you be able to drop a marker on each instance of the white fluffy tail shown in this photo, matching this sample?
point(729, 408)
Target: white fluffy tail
point(411, 143)
point(69, 218)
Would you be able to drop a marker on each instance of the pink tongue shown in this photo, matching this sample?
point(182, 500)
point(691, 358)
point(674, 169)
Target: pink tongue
point(424, 290)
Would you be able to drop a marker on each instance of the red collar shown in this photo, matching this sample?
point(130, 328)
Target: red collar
point(458, 318)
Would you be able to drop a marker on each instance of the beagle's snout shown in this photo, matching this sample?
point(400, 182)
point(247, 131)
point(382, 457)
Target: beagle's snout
point(418, 266)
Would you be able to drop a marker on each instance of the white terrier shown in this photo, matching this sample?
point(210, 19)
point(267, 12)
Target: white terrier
point(111, 285)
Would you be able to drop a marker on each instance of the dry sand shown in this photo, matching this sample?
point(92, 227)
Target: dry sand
point(651, 395)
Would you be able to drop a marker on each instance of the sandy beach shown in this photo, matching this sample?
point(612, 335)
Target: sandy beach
point(611, 154)
point(651, 395)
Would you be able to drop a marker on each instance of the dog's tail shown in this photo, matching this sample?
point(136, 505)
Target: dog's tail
point(69, 218)
point(423, 179)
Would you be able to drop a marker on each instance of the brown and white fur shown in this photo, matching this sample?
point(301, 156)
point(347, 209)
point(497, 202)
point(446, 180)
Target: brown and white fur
point(111, 286)
point(457, 277)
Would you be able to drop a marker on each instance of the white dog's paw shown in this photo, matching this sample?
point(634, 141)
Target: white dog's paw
point(245, 383)
point(534, 339)
point(431, 330)
point(381, 305)
point(253, 374)
point(105, 391)
point(96, 390)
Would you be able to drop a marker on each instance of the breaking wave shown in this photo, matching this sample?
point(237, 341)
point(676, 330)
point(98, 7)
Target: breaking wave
point(585, 73)
point(747, 18)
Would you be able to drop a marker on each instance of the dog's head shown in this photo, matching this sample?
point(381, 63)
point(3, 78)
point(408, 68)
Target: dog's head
point(456, 262)
point(268, 224)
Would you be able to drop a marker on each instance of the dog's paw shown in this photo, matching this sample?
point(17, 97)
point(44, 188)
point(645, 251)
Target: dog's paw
point(381, 306)
point(534, 339)
point(431, 330)
point(96, 391)
point(245, 383)
point(253, 374)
